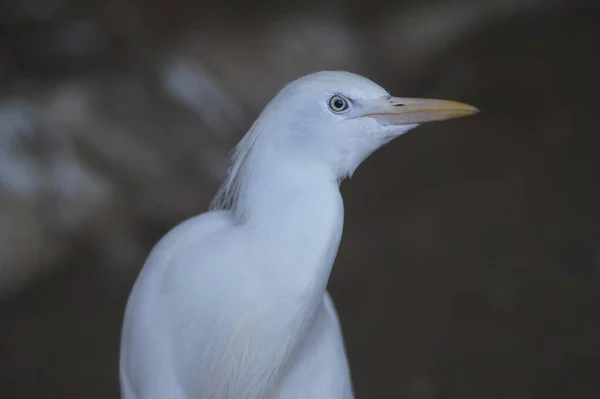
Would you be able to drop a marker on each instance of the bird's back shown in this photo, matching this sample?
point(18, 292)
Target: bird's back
point(198, 325)
point(146, 369)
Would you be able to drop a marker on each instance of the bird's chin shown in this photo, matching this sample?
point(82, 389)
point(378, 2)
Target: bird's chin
point(393, 131)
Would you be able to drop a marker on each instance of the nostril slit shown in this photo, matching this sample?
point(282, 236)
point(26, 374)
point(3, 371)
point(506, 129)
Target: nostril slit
point(398, 105)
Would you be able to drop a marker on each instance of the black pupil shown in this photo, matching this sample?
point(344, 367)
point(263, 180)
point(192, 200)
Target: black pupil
point(338, 104)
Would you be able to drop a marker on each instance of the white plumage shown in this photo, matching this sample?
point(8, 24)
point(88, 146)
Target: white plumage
point(232, 304)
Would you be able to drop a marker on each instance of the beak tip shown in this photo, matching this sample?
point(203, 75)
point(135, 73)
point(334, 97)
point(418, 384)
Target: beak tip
point(466, 110)
point(472, 111)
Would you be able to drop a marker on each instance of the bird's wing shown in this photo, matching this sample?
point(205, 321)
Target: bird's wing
point(162, 303)
point(193, 327)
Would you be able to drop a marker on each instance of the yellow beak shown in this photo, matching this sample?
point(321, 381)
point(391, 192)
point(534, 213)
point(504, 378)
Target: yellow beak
point(405, 111)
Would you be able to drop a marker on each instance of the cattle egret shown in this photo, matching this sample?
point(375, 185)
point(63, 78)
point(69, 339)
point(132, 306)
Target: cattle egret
point(232, 303)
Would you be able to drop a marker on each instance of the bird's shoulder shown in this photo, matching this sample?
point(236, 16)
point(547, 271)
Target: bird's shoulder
point(198, 254)
point(193, 230)
point(189, 233)
point(186, 240)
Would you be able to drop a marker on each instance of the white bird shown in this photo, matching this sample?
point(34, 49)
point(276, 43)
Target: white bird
point(232, 303)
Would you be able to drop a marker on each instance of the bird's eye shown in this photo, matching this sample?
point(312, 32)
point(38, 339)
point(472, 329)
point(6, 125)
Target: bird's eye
point(338, 104)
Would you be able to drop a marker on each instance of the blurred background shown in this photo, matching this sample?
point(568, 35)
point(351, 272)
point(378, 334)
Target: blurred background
point(470, 263)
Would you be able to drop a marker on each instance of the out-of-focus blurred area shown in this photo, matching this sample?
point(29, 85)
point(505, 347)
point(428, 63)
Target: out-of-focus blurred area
point(470, 261)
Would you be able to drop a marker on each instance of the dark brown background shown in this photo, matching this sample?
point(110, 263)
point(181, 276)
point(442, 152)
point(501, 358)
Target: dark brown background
point(470, 262)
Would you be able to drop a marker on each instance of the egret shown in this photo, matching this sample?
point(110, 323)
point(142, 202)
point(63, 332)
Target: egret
point(232, 303)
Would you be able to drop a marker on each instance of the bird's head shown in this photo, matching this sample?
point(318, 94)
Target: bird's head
point(327, 121)
point(340, 118)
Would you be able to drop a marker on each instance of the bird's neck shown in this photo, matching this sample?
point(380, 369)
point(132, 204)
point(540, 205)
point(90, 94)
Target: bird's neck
point(293, 207)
